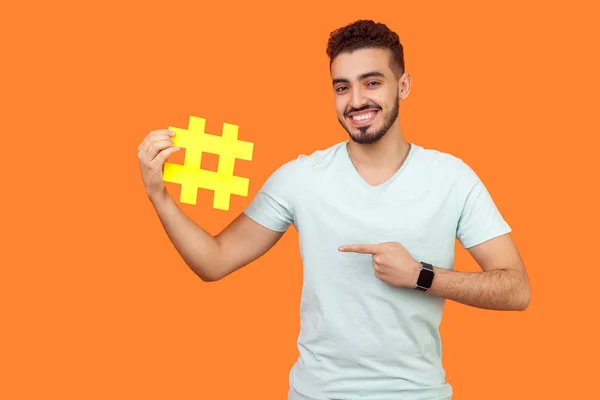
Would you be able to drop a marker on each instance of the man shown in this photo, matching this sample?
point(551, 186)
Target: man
point(377, 219)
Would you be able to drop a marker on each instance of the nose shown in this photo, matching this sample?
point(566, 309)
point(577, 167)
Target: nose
point(358, 99)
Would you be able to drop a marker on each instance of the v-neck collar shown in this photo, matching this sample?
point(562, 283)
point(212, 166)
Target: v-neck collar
point(346, 156)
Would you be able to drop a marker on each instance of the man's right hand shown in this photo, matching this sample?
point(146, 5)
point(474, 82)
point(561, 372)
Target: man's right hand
point(152, 154)
point(210, 257)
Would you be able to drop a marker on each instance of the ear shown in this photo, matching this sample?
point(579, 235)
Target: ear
point(404, 86)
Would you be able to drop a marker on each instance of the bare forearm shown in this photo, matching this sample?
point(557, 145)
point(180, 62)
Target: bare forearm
point(200, 250)
point(503, 289)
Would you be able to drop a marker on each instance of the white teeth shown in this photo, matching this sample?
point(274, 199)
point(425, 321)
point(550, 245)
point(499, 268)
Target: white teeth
point(362, 117)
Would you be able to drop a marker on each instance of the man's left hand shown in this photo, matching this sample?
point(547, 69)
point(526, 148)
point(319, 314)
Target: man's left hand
point(392, 263)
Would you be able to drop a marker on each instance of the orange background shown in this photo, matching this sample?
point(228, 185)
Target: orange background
point(97, 304)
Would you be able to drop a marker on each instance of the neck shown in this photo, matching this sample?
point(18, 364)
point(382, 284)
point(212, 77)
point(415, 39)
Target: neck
point(387, 153)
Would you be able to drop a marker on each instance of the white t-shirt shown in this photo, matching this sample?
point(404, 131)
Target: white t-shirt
point(362, 338)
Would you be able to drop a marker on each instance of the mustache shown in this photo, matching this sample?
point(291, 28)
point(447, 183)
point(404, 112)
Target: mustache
point(367, 107)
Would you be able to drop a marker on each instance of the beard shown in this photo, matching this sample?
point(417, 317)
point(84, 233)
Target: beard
point(367, 137)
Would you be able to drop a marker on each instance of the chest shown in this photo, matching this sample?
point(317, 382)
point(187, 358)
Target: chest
point(422, 217)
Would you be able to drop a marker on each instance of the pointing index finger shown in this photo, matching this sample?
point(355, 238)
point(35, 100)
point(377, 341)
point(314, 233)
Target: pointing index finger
point(359, 248)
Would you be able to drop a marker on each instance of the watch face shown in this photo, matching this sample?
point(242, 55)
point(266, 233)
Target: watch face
point(425, 278)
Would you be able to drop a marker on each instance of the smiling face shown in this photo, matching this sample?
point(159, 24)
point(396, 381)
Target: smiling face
point(367, 93)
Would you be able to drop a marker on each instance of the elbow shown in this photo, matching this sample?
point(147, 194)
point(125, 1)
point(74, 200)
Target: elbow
point(522, 305)
point(523, 298)
point(209, 278)
point(526, 301)
point(205, 274)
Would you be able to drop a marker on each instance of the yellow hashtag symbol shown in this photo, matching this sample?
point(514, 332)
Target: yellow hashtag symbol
point(191, 177)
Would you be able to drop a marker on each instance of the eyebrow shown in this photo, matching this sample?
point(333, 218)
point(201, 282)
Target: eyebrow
point(360, 77)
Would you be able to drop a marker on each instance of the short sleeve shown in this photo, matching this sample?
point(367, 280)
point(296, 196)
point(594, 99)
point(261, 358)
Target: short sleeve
point(479, 219)
point(273, 205)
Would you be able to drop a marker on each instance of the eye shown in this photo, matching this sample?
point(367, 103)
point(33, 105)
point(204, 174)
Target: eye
point(373, 83)
point(340, 88)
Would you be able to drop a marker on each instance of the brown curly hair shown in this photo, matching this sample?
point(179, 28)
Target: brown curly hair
point(367, 34)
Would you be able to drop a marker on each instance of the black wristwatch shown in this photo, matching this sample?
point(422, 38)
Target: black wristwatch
point(425, 277)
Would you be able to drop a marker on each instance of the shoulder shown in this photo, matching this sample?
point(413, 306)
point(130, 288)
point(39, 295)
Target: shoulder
point(317, 160)
point(442, 163)
point(291, 172)
point(321, 158)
